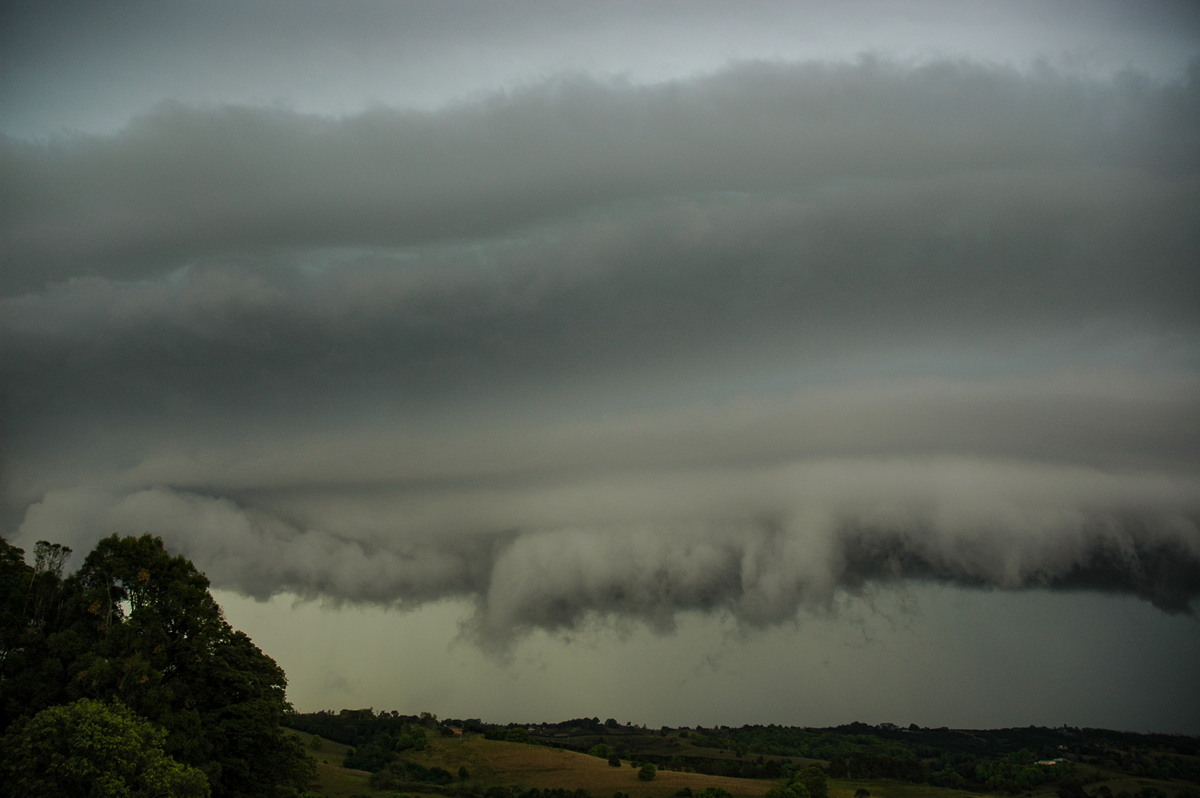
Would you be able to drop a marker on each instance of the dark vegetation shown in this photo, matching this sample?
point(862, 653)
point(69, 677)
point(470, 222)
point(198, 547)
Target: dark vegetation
point(380, 741)
point(1067, 762)
point(124, 679)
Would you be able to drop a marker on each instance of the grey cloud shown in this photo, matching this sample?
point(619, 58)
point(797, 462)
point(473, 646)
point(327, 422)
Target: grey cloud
point(760, 544)
point(82, 64)
point(755, 509)
point(1022, 267)
point(183, 182)
point(738, 344)
point(241, 547)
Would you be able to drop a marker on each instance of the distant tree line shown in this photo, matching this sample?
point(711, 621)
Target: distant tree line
point(130, 668)
point(998, 760)
point(357, 727)
point(510, 734)
point(757, 768)
point(880, 766)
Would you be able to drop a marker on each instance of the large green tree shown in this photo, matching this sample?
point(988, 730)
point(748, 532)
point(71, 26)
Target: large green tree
point(137, 624)
point(94, 749)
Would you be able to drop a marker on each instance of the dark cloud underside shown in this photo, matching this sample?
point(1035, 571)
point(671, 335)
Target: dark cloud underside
point(734, 344)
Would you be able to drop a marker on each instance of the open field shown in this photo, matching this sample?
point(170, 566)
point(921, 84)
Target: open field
point(492, 763)
point(334, 780)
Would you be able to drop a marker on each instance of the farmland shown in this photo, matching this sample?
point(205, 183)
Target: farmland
point(422, 755)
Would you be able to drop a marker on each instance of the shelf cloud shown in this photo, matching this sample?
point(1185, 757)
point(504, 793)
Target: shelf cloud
point(589, 348)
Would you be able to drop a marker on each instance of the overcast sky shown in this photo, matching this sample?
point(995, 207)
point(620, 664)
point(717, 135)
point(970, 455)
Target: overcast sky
point(685, 363)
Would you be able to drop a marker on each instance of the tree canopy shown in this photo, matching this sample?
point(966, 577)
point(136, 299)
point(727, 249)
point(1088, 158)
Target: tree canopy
point(98, 749)
point(138, 626)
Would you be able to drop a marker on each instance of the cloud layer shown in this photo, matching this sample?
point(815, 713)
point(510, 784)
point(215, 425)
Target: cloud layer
point(583, 349)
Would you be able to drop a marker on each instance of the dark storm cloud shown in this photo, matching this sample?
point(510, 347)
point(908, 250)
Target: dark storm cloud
point(184, 182)
point(730, 344)
point(758, 543)
point(1005, 262)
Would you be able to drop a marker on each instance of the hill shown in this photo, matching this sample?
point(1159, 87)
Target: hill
point(471, 758)
point(497, 768)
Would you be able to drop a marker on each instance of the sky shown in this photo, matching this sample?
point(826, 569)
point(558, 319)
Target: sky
point(697, 363)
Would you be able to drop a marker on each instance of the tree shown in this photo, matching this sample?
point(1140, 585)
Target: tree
point(36, 648)
point(96, 749)
point(15, 579)
point(809, 782)
point(165, 649)
point(139, 626)
point(44, 601)
point(793, 790)
point(814, 780)
point(517, 734)
point(647, 772)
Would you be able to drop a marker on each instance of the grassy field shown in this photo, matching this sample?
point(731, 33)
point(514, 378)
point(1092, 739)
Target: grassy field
point(332, 779)
point(477, 764)
point(492, 763)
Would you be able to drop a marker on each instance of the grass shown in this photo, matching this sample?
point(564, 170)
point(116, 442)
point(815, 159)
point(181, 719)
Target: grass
point(333, 779)
point(491, 763)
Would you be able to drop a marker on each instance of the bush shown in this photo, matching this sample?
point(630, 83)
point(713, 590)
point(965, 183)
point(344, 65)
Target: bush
point(92, 748)
point(372, 757)
point(399, 774)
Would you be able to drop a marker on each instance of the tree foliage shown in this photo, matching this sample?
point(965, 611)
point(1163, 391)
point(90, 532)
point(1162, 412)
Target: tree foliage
point(809, 782)
point(814, 780)
point(138, 625)
point(400, 774)
point(96, 749)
